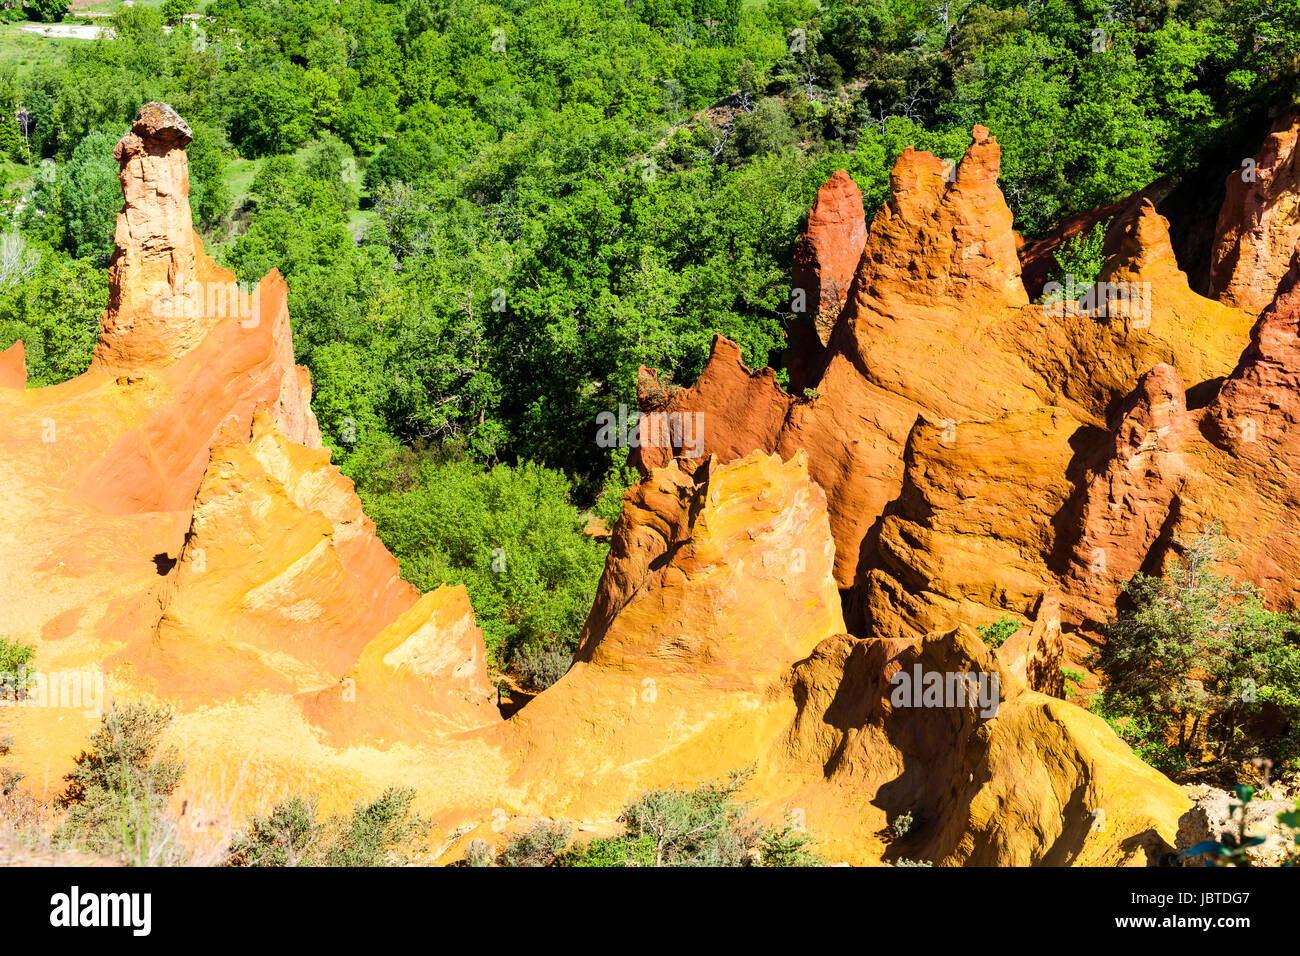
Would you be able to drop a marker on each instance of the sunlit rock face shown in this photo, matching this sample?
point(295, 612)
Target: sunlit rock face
point(959, 454)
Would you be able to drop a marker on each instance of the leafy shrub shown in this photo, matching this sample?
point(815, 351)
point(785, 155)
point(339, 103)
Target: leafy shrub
point(14, 658)
point(9, 780)
point(1198, 655)
point(1141, 732)
point(92, 197)
point(478, 853)
point(1081, 257)
point(787, 845)
point(511, 535)
point(380, 833)
point(538, 847)
point(209, 194)
point(117, 793)
point(901, 826)
point(287, 836)
point(48, 11)
point(766, 129)
point(1073, 679)
point(173, 11)
point(541, 667)
point(707, 826)
point(612, 851)
point(996, 634)
point(383, 832)
point(620, 477)
point(701, 827)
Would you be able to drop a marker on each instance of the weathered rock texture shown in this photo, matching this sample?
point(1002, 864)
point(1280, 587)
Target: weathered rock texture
point(825, 260)
point(939, 329)
point(1216, 813)
point(986, 457)
point(174, 524)
point(1129, 497)
point(13, 367)
point(159, 272)
point(718, 580)
point(964, 455)
point(1040, 782)
point(1259, 224)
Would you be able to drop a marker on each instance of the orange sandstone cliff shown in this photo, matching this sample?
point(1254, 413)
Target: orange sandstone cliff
point(963, 454)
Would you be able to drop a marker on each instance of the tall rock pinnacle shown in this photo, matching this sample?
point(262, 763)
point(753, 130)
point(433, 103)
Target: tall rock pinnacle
point(944, 233)
point(155, 301)
point(825, 260)
point(1259, 223)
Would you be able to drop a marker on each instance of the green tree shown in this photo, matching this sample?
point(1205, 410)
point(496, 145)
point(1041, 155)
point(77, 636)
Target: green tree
point(92, 197)
point(509, 534)
point(173, 11)
point(1198, 655)
point(48, 11)
point(209, 195)
point(767, 129)
point(55, 310)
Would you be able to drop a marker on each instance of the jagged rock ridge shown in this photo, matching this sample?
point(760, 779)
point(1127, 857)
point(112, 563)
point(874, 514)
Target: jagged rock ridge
point(962, 456)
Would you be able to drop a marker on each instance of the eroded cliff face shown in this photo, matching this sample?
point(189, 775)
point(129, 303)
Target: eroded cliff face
point(1259, 224)
point(964, 455)
point(176, 532)
point(825, 260)
point(717, 581)
point(984, 456)
point(939, 330)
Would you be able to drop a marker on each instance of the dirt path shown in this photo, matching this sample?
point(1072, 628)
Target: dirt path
point(65, 31)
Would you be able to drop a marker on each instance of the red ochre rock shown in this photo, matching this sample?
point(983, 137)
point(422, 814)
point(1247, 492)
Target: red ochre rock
point(825, 261)
point(13, 367)
point(1259, 223)
point(938, 327)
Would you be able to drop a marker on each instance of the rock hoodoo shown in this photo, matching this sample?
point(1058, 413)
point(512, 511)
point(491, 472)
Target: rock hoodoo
point(825, 261)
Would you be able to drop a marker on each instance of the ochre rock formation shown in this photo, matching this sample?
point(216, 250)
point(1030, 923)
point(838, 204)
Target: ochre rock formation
point(1036, 655)
point(960, 515)
point(13, 367)
point(961, 456)
point(175, 531)
point(717, 581)
point(938, 327)
point(1259, 224)
point(1127, 500)
point(1039, 782)
point(983, 456)
point(825, 261)
point(957, 218)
